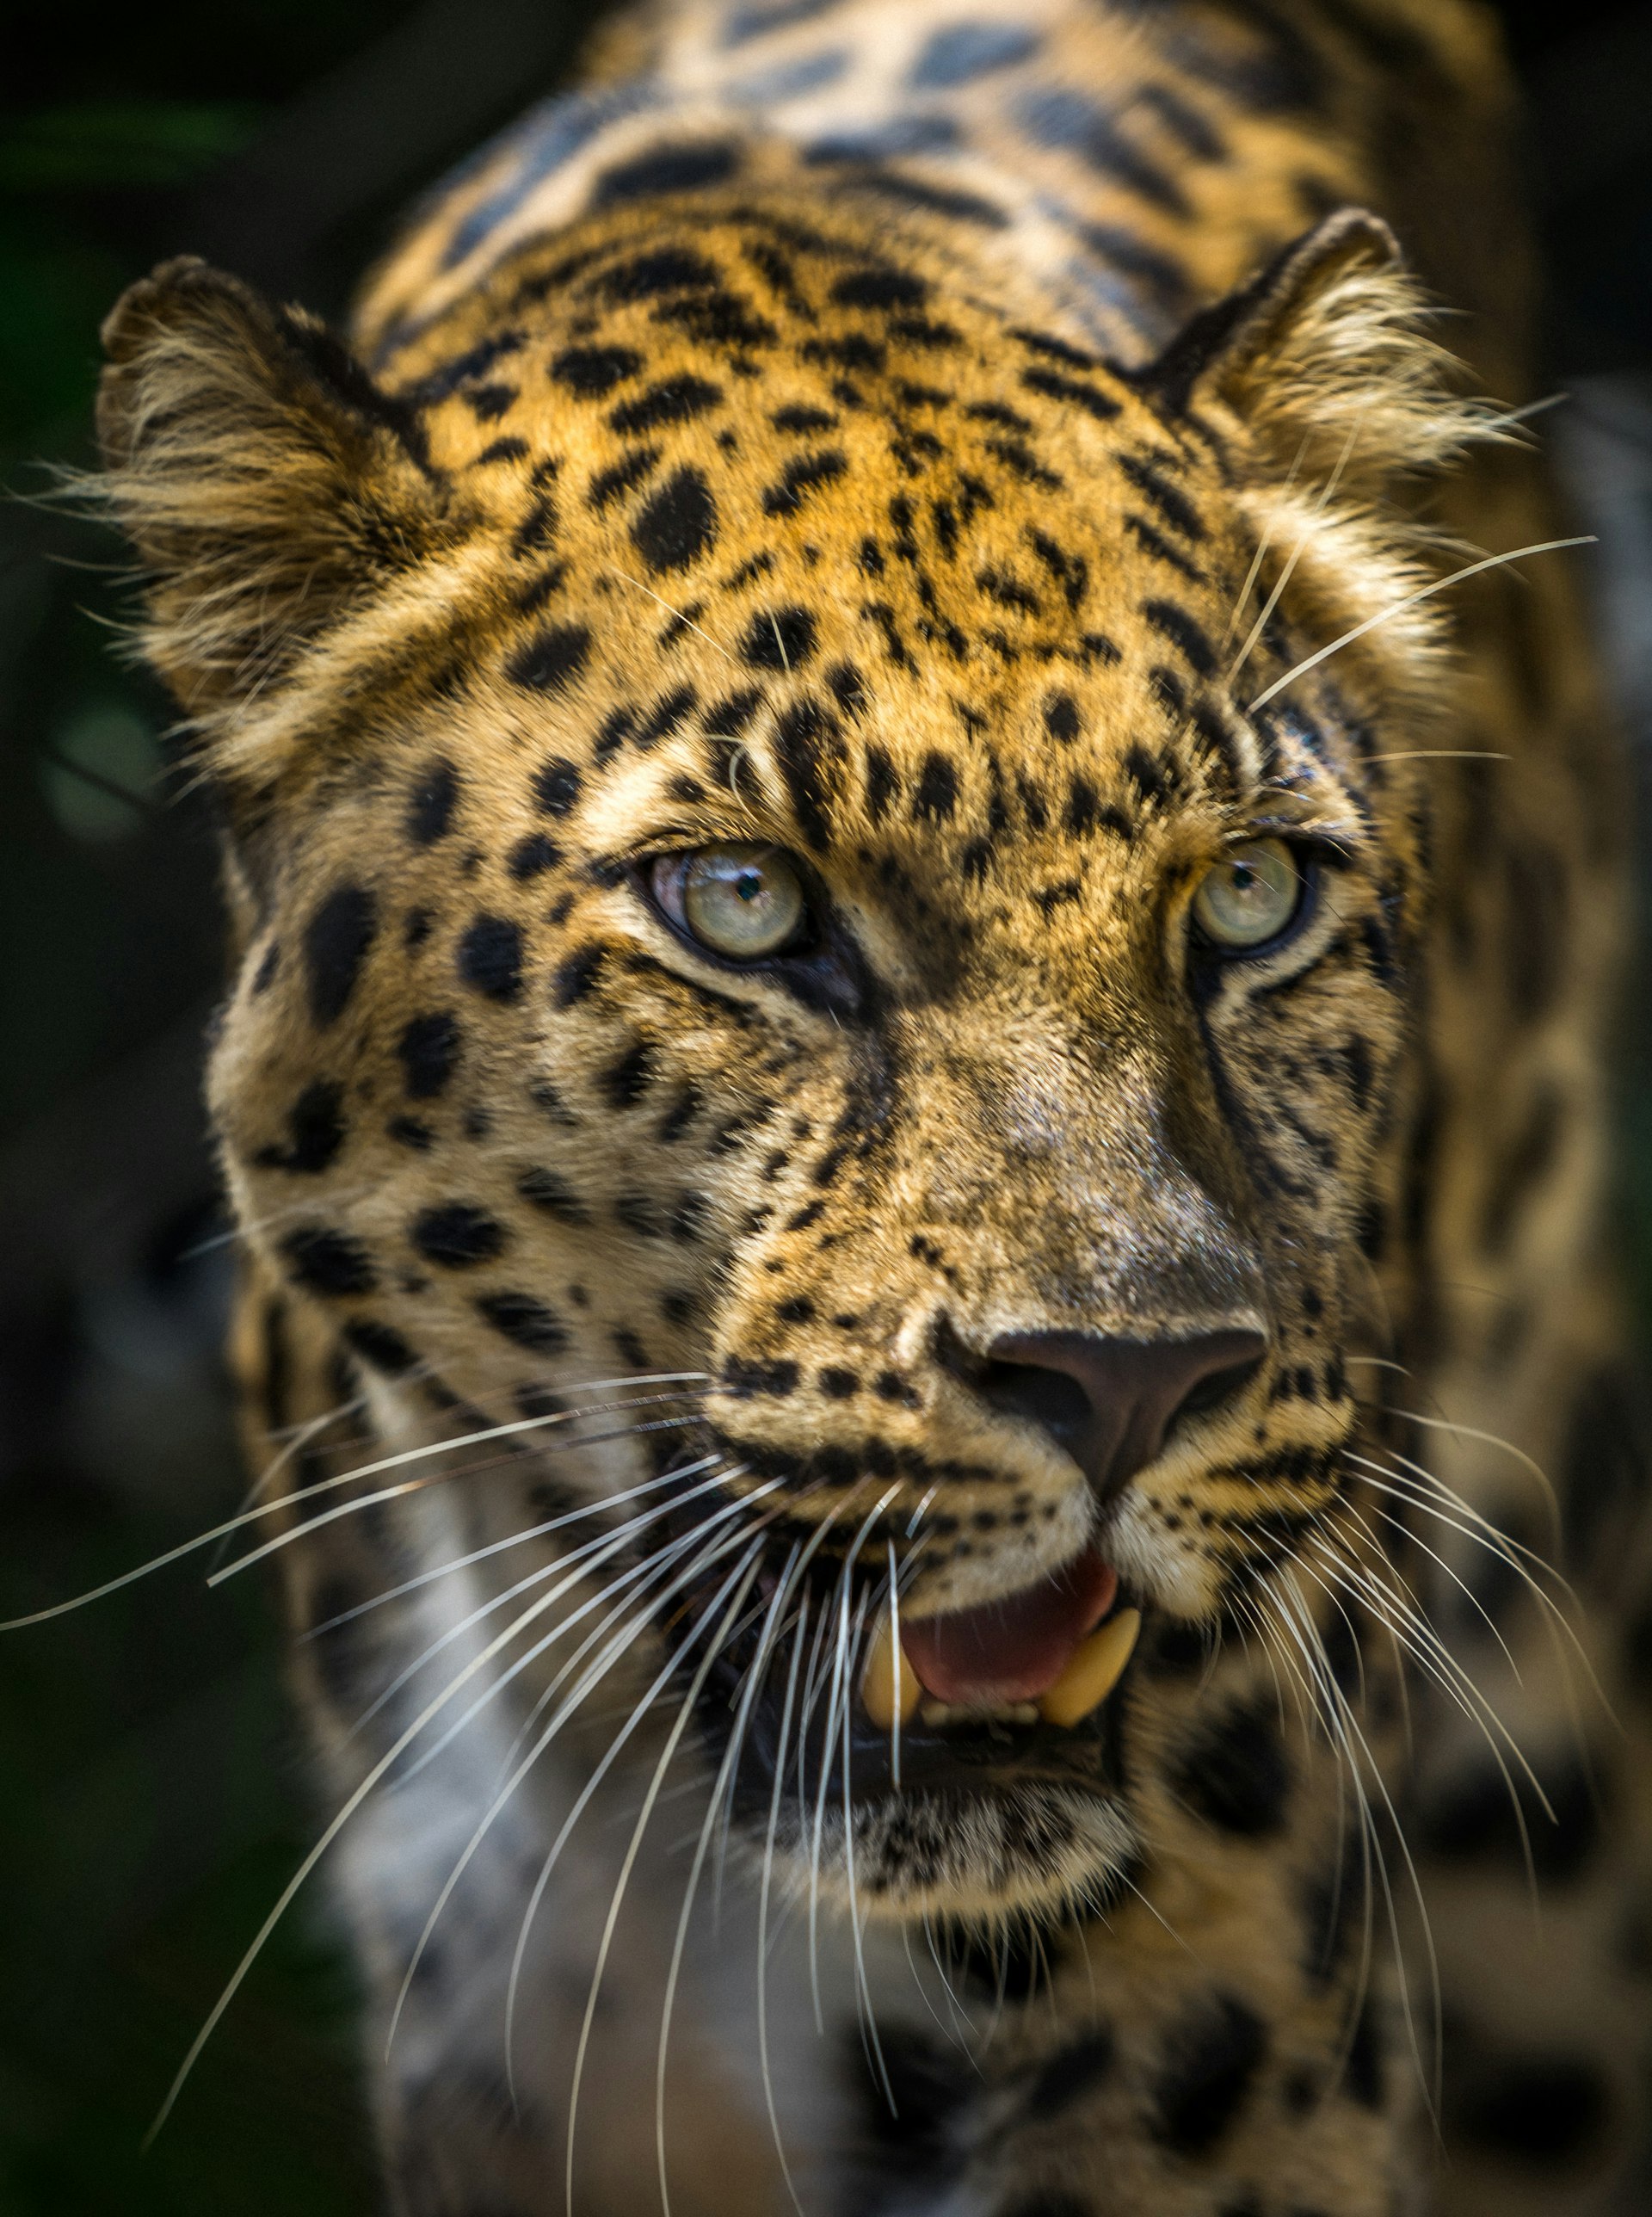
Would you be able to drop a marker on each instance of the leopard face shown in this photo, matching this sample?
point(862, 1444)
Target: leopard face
point(770, 863)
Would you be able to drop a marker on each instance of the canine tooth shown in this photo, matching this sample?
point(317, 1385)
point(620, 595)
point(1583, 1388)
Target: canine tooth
point(888, 1683)
point(1094, 1671)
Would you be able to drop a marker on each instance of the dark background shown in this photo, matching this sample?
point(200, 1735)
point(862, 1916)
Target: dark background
point(150, 1799)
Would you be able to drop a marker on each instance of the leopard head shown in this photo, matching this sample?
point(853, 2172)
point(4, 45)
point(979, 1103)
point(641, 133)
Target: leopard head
point(796, 837)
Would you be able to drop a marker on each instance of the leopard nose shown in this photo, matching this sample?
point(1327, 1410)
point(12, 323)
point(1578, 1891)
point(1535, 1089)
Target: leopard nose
point(1111, 1403)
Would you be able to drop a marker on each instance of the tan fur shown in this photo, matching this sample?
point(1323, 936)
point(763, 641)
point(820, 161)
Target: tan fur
point(858, 505)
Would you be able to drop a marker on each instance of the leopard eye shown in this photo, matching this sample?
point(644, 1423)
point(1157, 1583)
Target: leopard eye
point(1249, 897)
point(742, 902)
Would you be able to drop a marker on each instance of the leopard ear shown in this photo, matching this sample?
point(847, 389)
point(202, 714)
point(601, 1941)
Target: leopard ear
point(1324, 359)
point(270, 488)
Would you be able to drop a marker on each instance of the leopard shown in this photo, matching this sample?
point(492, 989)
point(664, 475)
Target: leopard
point(927, 880)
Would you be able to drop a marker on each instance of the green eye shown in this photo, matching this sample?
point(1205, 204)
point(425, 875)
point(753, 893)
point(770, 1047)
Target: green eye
point(1249, 897)
point(741, 902)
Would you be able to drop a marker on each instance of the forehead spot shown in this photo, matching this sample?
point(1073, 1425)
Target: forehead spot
point(678, 523)
point(780, 639)
point(672, 400)
point(551, 661)
point(557, 786)
point(593, 370)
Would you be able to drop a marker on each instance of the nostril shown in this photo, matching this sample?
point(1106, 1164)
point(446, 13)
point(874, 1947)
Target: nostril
point(1049, 1398)
point(1214, 1390)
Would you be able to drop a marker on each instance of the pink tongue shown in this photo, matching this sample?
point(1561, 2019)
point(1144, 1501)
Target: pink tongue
point(1014, 1649)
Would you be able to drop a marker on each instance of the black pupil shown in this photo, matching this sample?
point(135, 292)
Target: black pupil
point(749, 885)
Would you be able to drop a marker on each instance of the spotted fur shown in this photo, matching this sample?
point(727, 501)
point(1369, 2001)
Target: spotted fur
point(999, 461)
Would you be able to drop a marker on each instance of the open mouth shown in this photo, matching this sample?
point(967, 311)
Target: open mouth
point(998, 1697)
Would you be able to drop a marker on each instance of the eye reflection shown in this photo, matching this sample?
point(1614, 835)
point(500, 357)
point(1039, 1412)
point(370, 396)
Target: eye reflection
point(1249, 897)
point(741, 902)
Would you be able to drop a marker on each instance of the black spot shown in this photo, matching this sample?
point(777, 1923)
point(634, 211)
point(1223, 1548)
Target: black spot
point(1207, 2072)
point(543, 1188)
point(409, 1132)
point(457, 1235)
point(491, 957)
point(728, 719)
point(805, 734)
point(780, 639)
point(1176, 625)
point(880, 288)
point(800, 477)
point(428, 1048)
point(532, 855)
point(848, 688)
point(593, 370)
point(1070, 2073)
point(379, 1346)
point(839, 1385)
point(883, 783)
point(1054, 116)
point(557, 786)
point(661, 269)
point(664, 717)
point(1233, 1771)
point(936, 795)
point(625, 1081)
point(1054, 387)
point(962, 52)
point(664, 169)
point(528, 1322)
point(329, 1262)
point(677, 523)
point(745, 1379)
point(551, 661)
point(621, 477)
point(576, 974)
point(1174, 505)
point(672, 400)
point(1061, 718)
point(335, 943)
point(430, 808)
point(315, 1130)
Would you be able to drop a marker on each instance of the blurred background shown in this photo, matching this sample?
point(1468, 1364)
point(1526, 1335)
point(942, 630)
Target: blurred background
point(151, 1799)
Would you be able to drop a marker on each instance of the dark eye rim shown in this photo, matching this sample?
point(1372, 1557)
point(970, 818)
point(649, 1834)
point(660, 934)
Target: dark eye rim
point(805, 942)
point(1312, 861)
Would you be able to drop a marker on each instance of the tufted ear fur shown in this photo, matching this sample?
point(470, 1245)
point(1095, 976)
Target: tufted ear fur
point(1321, 375)
point(269, 487)
point(1323, 358)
